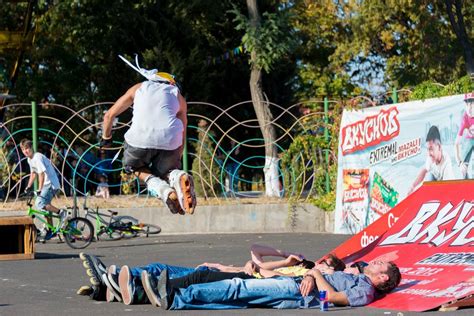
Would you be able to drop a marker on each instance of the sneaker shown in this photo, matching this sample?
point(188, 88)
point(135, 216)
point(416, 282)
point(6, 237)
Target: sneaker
point(98, 293)
point(113, 276)
point(163, 290)
point(94, 267)
point(184, 185)
point(112, 293)
point(127, 287)
point(131, 293)
point(161, 189)
point(49, 235)
point(151, 288)
point(173, 203)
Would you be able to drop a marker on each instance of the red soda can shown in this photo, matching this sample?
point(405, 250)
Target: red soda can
point(323, 301)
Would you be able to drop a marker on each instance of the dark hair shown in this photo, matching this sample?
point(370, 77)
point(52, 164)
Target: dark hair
point(394, 277)
point(336, 263)
point(433, 134)
point(307, 264)
point(26, 143)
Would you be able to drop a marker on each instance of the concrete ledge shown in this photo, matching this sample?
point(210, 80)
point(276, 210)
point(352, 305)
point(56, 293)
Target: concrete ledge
point(246, 218)
point(243, 218)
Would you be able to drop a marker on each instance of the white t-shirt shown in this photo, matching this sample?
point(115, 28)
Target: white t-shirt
point(154, 122)
point(38, 164)
point(443, 171)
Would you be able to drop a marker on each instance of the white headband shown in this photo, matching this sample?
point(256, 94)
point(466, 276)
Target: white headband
point(152, 75)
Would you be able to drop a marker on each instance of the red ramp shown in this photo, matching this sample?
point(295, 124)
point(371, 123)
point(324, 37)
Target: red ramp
point(430, 236)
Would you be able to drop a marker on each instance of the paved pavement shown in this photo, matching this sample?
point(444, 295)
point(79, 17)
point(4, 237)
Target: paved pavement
point(47, 285)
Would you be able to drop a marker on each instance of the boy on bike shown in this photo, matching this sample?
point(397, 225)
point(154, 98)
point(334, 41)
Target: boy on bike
point(48, 183)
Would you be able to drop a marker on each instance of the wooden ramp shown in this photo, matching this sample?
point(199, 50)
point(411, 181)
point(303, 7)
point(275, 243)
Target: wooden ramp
point(17, 235)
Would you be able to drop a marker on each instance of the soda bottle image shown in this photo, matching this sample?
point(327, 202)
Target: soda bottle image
point(323, 301)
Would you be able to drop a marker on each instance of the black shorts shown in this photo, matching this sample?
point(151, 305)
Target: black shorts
point(158, 161)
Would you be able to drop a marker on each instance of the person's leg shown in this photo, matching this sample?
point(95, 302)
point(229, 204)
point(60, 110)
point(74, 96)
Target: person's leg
point(156, 268)
point(204, 276)
point(136, 161)
point(43, 202)
point(167, 164)
point(238, 293)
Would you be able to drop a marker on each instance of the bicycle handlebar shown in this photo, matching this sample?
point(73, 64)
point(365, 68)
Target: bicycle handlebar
point(30, 196)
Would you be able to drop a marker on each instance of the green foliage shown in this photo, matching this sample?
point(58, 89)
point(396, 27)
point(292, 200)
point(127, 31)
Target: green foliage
point(206, 177)
point(431, 89)
point(306, 157)
point(271, 40)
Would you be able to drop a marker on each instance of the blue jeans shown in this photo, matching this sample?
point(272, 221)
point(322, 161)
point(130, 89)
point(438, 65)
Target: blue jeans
point(279, 292)
point(155, 269)
point(45, 197)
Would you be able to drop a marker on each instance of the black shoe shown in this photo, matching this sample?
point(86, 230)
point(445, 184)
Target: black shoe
point(98, 293)
point(94, 266)
point(164, 291)
point(151, 288)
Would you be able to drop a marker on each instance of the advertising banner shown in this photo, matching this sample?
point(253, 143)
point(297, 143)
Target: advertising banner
point(431, 242)
point(387, 152)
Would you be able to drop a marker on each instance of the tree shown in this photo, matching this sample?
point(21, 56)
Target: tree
point(454, 9)
point(267, 41)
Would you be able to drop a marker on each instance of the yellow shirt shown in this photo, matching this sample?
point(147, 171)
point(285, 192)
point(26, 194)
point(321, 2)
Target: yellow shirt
point(290, 271)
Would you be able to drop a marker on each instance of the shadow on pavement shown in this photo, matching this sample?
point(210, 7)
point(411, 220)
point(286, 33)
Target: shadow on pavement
point(47, 255)
point(145, 244)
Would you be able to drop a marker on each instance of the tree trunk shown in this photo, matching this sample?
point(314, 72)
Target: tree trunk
point(264, 115)
point(457, 23)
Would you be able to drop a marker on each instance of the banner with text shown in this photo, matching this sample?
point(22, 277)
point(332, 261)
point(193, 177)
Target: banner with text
point(432, 244)
point(387, 152)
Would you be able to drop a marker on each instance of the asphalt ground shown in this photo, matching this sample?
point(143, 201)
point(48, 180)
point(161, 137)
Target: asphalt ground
point(48, 284)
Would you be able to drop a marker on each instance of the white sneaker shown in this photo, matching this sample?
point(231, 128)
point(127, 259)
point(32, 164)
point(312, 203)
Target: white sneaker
point(184, 185)
point(167, 194)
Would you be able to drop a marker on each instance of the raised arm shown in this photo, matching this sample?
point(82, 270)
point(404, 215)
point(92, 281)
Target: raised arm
point(123, 103)
point(259, 251)
point(182, 115)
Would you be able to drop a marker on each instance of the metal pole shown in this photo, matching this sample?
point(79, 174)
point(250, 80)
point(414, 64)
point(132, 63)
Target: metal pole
point(395, 95)
point(34, 132)
point(185, 155)
point(326, 138)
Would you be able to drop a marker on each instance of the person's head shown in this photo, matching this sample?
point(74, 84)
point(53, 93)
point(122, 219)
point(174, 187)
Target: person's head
point(433, 143)
point(26, 146)
point(103, 178)
point(385, 276)
point(469, 103)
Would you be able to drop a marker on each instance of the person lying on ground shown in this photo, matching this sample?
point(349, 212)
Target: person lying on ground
point(124, 284)
point(276, 292)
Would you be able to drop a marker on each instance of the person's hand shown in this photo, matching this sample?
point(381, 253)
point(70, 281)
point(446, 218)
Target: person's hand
point(105, 143)
point(324, 268)
point(217, 266)
point(287, 254)
point(28, 190)
point(352, 270)
point(250, 267)
point(293, 260)
point(307, 285)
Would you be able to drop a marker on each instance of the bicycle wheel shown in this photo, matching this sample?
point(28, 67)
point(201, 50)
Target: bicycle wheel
point(78, 233)
point(126, 219)
point(149, 229)
point(109, 234)
point(129, 233)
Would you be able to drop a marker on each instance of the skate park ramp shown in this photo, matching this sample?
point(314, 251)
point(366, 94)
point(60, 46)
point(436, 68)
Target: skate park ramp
point(430, 236)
